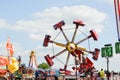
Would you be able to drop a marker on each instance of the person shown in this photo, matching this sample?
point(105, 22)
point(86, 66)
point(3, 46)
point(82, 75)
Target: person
point(18, 75)
point(37, 74)
point(102, 74)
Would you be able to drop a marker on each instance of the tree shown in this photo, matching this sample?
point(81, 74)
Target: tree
point(44, 66)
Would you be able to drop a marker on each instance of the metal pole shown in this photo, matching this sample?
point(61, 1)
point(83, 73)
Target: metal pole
point(108, 62)
point(76, 67)
point(107, 68)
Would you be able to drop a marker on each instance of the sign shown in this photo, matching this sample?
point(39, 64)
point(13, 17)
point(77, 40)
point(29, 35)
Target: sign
point(107, 51)
point(3, 61)
point(117, 13)
point(117, 47)
point(103, 52)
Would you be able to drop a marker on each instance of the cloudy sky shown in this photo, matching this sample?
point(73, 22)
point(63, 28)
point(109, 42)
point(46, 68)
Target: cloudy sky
point(26, 22)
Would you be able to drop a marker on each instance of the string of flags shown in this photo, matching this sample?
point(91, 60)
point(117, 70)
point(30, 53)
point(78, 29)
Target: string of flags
point(9, 47)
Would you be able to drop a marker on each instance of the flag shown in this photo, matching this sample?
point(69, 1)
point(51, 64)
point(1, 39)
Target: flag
point(117, 13)
point(9, 47)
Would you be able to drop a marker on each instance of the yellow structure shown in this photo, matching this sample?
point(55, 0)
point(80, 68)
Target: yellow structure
point(13, 66)
point(32, 60)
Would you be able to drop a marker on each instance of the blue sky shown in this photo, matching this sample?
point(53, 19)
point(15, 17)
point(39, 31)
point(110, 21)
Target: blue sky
point(26, 22)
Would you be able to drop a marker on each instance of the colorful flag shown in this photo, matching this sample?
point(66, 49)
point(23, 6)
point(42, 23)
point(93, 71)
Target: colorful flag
point(9, 47)
point(117, 13)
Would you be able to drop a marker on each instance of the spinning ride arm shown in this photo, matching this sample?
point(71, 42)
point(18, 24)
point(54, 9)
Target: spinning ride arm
point(65, 66)
point(77, 23)
point(49, 59)
point(93, 34)
point(47, 40)
point(94, 53)
point(59, 25)
point(58, 44)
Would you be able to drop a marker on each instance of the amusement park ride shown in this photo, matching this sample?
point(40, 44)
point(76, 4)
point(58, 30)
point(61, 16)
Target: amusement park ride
point(32, 60)
point(73, 48)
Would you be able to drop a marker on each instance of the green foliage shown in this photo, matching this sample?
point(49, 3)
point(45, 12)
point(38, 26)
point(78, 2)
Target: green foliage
point(44, 66)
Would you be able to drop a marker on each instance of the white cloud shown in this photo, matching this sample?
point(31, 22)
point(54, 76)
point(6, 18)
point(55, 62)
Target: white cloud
point(3, 23)
point(108, 1)
point(72, 12)
point(42, 22)
point(35, 37)
point(44, 19)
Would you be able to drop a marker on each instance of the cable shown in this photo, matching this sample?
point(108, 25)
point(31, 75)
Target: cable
point(57, 35)
point(60, 61)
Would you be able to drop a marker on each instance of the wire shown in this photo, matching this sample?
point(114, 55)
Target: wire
point(54, 53)
point(88, 41)
point(57, 35)
point(60, 61)
point(82, 33)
